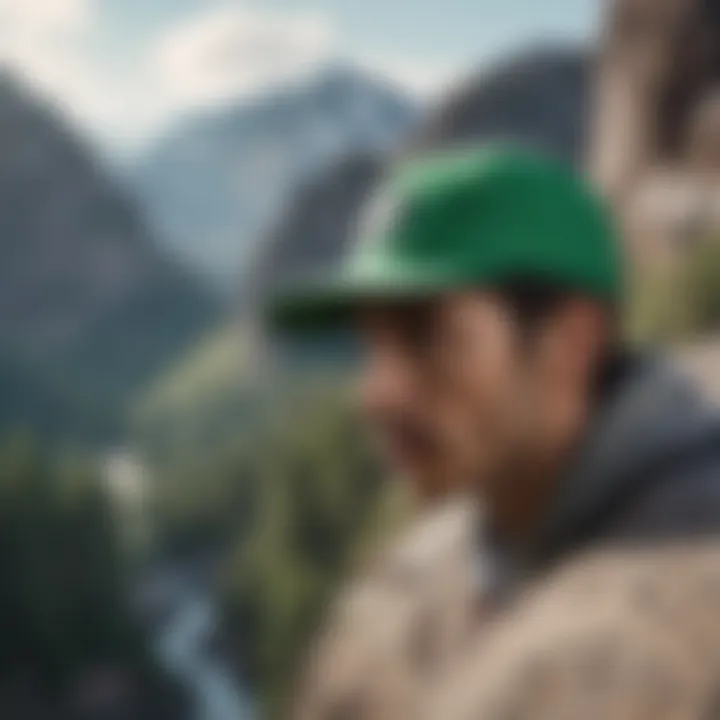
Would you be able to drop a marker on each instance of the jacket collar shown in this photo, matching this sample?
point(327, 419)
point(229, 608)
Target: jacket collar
point(647, 411)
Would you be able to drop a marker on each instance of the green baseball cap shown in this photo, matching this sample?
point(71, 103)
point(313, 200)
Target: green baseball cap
point(473, 217)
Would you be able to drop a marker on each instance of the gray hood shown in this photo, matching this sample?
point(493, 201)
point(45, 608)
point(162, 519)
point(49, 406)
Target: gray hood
point(652, 424)
point(651, 429)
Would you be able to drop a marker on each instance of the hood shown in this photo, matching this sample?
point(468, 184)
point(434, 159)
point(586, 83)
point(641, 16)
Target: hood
point(652, 416)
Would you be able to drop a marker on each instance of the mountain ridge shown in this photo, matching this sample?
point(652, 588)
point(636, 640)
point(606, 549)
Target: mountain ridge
point(78, 261)
point(214, 184)
point(316, 228)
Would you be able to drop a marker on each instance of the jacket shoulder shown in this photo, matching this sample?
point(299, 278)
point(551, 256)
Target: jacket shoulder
point(628, 633)
point(436, 544)
point(407, 604)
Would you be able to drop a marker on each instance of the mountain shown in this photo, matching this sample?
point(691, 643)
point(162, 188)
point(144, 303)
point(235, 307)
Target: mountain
point(215, 183)
point(315, 229)
point(31, 402)
point(215, 382)
point(538, 97)
point(85, 295)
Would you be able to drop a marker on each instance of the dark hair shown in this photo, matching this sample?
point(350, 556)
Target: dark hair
point(532, 302)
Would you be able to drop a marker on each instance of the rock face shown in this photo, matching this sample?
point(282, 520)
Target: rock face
point(84, 294)
point(655, 128)
point(659, 60)
point(214, 185)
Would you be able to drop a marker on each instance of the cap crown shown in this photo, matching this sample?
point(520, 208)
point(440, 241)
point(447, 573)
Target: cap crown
point(488, 215)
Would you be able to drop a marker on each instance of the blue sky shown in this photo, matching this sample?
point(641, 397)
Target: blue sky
point(125, 69)
point(439, 28)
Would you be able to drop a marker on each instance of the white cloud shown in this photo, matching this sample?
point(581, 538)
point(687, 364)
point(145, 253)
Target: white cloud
point(232, 50)
point(43, 41)
point(223, 51)
point(423, 78)
point(43, 16)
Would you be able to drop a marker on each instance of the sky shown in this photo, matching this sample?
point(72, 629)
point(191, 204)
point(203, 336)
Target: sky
point(123, 70)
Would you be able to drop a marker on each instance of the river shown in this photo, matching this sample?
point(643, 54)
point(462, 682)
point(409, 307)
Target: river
point(182, 641)
point(182, 646)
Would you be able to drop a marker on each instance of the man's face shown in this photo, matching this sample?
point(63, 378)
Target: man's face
point(460, 398)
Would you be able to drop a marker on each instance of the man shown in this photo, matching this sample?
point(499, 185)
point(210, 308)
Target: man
point(487, 288)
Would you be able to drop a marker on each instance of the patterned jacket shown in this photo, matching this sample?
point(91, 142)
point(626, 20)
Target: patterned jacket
point(611, 611)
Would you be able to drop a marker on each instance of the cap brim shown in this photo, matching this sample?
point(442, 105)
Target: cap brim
point(332, 302)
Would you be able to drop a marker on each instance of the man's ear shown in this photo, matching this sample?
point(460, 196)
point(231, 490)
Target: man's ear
point(585, 327)
point(575, 339)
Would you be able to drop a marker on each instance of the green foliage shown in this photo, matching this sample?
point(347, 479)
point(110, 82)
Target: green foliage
point(297, 498)
point(674, 304)
point(700, 285)
point(273, 466)
point(60, 596)
point(199, 502)
point(321, 497)
point(193, 414)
